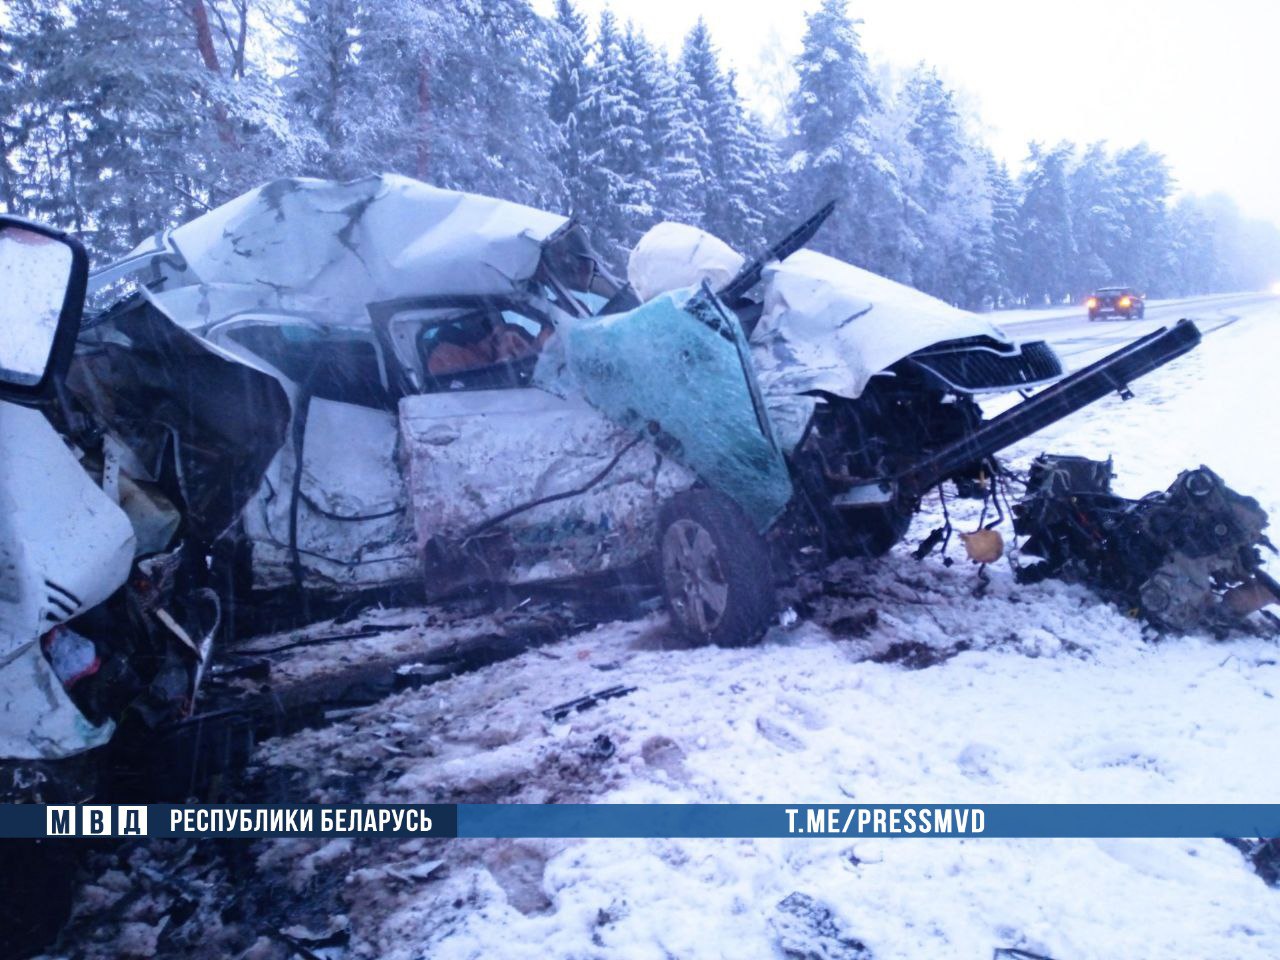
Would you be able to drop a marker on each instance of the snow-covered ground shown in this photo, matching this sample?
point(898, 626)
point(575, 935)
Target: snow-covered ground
point(1026, 694)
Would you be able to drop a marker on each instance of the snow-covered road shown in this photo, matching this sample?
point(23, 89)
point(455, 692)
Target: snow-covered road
point(1040, 694)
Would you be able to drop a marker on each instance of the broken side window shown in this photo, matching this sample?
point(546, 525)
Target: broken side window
point(331, 364)
point(487, 348)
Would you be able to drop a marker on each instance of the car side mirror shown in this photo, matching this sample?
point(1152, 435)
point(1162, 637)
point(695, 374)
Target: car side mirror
point(43, 273)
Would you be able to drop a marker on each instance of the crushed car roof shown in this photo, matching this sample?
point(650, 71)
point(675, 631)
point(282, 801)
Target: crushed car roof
point(332, 248)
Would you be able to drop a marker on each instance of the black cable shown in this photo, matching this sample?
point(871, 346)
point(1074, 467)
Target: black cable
point(522, 508)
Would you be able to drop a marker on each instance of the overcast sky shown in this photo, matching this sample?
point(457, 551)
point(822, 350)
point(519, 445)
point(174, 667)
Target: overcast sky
point(1199, 81)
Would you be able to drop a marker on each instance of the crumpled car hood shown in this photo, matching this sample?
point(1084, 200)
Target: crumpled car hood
point(332, 248)
point(828, 325)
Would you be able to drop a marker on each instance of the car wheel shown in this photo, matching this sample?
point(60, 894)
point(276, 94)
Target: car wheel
point(716, 574)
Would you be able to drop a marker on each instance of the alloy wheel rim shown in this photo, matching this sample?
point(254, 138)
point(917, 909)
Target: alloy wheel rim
point(695, 580)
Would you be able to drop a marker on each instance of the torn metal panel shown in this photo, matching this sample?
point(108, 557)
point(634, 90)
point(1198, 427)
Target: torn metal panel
point(826, 326)
point(62, 560)
point(156, 388)
point(353, 528)
point(830, 326)
point(335, 247)
point(54, 563)
point(676, 370)
point(476, 456)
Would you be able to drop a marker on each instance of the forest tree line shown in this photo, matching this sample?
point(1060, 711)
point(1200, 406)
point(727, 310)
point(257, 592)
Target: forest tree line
point(121, 117)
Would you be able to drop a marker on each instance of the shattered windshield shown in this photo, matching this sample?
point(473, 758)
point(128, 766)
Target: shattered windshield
point(676, 370)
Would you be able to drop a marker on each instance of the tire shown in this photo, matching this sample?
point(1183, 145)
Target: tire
point(715, 570)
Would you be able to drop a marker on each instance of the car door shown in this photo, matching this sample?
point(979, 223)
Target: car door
point(564, 472)
point(509, 482)
point(341, 521)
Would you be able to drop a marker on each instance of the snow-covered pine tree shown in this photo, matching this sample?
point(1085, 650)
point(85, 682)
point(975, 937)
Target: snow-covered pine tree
point(1144, 184)
point(567, 96)
point(453, 92)
point(1005, 246)
point(1191, 264)
point(732, 154)
point(116, 130)
point(952, 203)
point(834, 154)
point(1044, 225)
point(319, 41)
point(618, 196)
point(936, 131)
point(668, 135)
point(1097, 216)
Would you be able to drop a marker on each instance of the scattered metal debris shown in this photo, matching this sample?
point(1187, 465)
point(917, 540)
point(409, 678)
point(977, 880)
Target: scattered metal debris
point(560, 711)
point(805, 929)
point(601, 749)
point(1184, 559)
point(1263, 855)
point(914, 655)
point(362, 633)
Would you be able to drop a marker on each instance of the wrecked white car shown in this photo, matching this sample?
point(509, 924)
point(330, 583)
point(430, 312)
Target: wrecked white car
point(102, 630)
point(473, 399)
point(106, 617)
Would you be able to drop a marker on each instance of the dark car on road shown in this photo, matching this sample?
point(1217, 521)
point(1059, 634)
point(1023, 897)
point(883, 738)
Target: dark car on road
point(1116, 302)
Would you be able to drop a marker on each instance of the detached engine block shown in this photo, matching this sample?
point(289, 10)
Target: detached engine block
point(1183, 559)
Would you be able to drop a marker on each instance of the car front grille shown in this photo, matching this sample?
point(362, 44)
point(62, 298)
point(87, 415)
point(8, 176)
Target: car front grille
point(980, 369)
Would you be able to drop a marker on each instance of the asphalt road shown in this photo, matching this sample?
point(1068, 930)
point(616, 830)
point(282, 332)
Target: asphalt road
point(1079, 341)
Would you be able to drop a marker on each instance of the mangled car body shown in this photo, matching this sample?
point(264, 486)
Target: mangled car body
point(861, 376)
point(290, 280)
point(106, 619)
point(328, 387)
point(473, 399)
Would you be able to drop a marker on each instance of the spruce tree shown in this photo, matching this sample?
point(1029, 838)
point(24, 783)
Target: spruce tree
point(834, 154)
point(567, 97)
point(1044, 225)
point(669, 141)
point(618, 198)
point(1097, 215)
